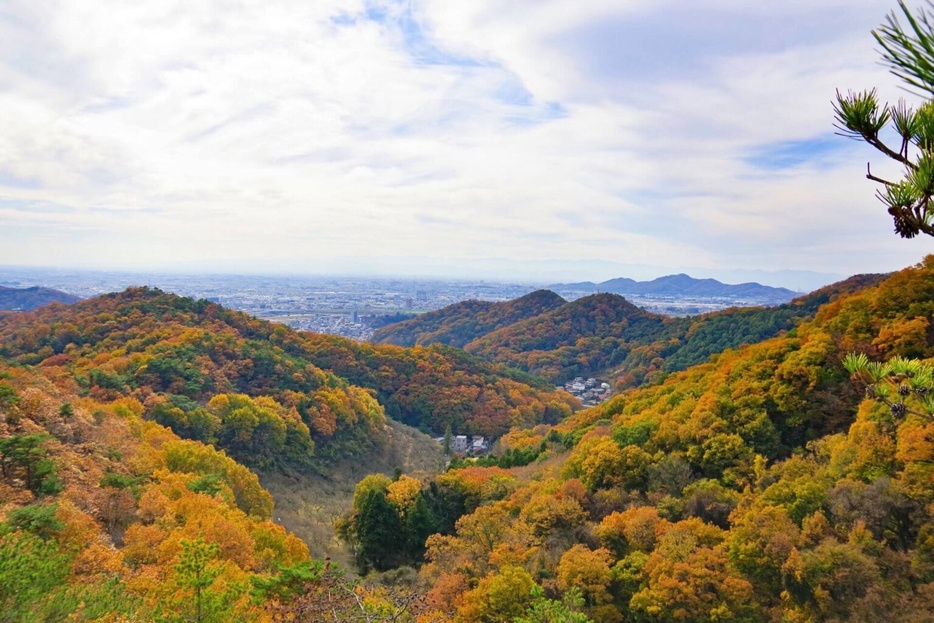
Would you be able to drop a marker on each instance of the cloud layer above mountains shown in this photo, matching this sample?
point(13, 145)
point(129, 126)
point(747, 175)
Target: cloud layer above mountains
point(314, 136)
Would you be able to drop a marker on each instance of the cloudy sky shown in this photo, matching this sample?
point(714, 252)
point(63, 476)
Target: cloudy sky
point(424, 136)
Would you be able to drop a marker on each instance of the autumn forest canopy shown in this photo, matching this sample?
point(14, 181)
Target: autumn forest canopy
point(754, 465)
point(760, 484)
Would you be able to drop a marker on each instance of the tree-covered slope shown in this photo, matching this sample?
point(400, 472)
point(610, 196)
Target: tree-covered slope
point(699, 337)
point(265, 392)
point(760, 486)
point(438, 386)
point(581, 337)
point(606, 336)
point(108, 517)
point(25, 299)
point(461, 323)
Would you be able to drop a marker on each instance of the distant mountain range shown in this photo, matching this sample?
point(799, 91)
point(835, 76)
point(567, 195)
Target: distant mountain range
point(26, 299)
point(604, 334)
point(682, 285)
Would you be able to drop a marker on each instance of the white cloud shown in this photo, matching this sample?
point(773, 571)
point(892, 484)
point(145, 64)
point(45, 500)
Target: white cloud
point(285, 133)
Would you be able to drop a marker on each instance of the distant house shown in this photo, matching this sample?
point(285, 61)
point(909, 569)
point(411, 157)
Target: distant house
point(459, 443)
point(479, 445)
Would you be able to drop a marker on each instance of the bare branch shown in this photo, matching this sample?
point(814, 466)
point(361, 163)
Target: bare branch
point(872, 177)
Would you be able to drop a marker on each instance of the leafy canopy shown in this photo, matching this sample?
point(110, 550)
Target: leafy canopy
point(908, 50)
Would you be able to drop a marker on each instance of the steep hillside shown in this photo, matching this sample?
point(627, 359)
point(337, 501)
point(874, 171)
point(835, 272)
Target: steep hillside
point(699, 337)
point(439, 386)
point(461, 323)
point(105, 516)
point(760, 486)
point(559, 346)
point(580, 337)
point(25, 299)
point(201, 369)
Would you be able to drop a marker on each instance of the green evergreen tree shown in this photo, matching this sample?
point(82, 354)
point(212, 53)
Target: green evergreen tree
point(420, 523)
point(378, 530)
point(447, 440)
point(544, 610)
point(909, 53)
point(194, 570)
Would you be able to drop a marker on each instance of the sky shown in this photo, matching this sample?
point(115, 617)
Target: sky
point(549, 138)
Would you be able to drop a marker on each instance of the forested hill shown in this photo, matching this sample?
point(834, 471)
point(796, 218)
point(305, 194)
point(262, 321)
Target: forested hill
point(107, 516)
point(606, 336)
point(761, 486)
point(684, 285)
point(266, 393)
point(590, 334)
point(695, 339)
point(25, 299)
point(461, 323)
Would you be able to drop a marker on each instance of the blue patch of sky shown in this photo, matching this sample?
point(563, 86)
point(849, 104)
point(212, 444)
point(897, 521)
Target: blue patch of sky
point(403, 129)
point(653, 44)
point(790, 154)
point(536, 115)
point(35, 207)
point(14, 181)
point(426, 52)
point(107, 105)
point(417, 44)
point(514, 92)
point(343, 19)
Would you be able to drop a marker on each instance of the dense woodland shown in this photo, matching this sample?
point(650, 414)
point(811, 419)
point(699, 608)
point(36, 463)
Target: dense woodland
point(264, 392)
point(461, 323)
point(603, 335)
point(759, 486)
point(758, 466)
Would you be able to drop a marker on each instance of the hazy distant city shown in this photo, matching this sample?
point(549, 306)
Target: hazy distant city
point(349, 306)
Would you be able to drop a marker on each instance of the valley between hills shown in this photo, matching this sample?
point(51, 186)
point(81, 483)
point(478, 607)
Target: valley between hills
point(155, 447)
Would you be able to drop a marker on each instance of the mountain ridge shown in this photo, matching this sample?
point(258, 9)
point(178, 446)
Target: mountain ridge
point(619, 353)
point(683, 285)
point(764, 484)
point(461, 323)
point(27, 299)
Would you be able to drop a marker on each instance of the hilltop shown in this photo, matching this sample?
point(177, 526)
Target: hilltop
point(751, 484)
point(682, 285)
point(584, 337)
point(180, 353)
point(762, 485)
point(25, 299)
point(607, 336)
point(464, 322)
